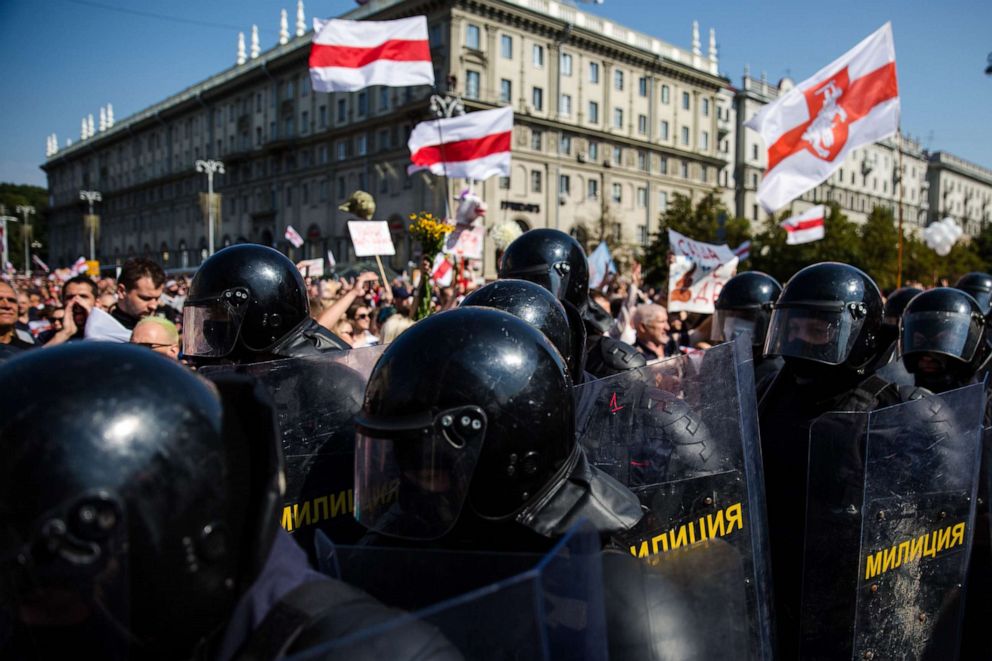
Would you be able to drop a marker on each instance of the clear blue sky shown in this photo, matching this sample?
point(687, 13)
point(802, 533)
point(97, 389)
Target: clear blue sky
point(63, 59)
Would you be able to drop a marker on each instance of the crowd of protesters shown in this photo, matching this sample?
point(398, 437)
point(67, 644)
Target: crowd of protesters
point(47, 310)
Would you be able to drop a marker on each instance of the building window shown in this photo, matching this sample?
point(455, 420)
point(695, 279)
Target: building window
point(341, 150)
point(704, 140)
point(685, 100)
point(706, 107)
point(593, 112)
point(536, 140)
point(642, 234)
point(362, 144)
point(565, 105)
point(663, 132)
point(754, 180)
point(305, 122)
point(363, 104)
point(642, 86)
point(642, 197)
point(617, 193)
point(593, 151)
point(592, 189)
point(704, 173)
point(754, 156)
point(537, 98)
point(685, 135)
point(504, 183)
point(322, 114)
point(642, 124)
point(505, 90)
point(472, 36)
point(564, 185)
point(566, 64)
point(342, 111)
point(685, 169)
point(754, 212)
point(664, 165)
point(472, 84)
point(306, 194)
point(383, 99)
point(506, 47)
point(538, 56)
point(535, 181)
point(665, 91)
point(618, 80)
point(617, 155)
point(662, 201)
point(289, 196)
point(565, 145)
point(618, 118)
point(594, 72)
point(642, 161)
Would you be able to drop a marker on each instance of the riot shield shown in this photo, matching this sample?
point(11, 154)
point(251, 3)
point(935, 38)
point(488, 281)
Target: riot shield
point(488, 606)
point(890, 512)
point(316, 399)
point(682, 435)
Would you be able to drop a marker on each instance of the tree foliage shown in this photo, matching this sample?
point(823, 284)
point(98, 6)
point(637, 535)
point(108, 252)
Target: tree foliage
point(14, 195)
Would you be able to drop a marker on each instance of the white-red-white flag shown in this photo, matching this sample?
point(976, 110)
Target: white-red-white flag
point(293, 236)
point(347, 56)
point(472, 146)
point(812, 128)
point(806, 227)
point(79, 266)
point(442, 272)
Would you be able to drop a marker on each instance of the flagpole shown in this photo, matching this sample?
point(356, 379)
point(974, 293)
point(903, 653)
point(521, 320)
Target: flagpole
point(901, 188)
point(445, 107)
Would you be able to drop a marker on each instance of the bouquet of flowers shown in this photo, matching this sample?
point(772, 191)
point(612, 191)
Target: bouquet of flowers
point(430, 232)
point(504, 233)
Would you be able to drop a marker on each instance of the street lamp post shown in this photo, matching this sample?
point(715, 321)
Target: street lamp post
point(210, 167)
point(91, 197)
point(26, 210)
point(4, 219)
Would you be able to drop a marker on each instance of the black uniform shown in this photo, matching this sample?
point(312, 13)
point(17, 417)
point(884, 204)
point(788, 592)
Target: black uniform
point(138, 518)
point(248, 303)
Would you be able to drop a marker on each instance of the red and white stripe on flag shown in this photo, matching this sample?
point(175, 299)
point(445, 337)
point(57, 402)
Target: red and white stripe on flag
point(293, 236)
point(472, 146)
point(442, 272)
point(347, 56)
point(806, 227)
point(79, 266)
point(812, 128)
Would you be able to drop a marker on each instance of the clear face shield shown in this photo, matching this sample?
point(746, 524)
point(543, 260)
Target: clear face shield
point(951, 334)
point(412, 475)
point(729, 324)
point(819, 332)
point(554, 278)
point(64, 586)
point(211, 326)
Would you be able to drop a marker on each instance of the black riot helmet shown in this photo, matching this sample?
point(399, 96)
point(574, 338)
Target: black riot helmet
point(243, 300)
point(979, 285)
point(553, 260)
point(467, 413)
point(535, 305)
point(744, 306)
point(137, 501)
point(828, 314)
point(942, 338)
point(896, 303)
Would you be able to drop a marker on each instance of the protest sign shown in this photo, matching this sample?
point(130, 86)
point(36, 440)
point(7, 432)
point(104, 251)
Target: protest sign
point(371, 237)
point(697, 272)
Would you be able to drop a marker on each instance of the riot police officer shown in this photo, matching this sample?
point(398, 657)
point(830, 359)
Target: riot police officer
point(468, 420)
point(944, 345)
point(138, 517)
point(744, 306)
point(557, 262)
point(891, 368)
point(979, 285)
point(825, 326)
point(248, 303)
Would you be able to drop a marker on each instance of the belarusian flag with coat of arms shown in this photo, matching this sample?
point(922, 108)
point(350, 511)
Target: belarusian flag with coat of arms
point(811, 129)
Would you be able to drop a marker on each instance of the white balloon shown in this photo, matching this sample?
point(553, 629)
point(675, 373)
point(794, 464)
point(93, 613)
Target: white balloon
point(943, 251)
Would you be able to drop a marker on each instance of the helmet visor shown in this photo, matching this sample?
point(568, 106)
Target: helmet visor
point(819, 333)
point(950, 333)
point(553, 277)
point(411, 480)
point(728, 324)
point(211, 329)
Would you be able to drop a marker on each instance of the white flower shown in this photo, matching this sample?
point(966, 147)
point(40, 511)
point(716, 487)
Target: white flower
point(504, 233)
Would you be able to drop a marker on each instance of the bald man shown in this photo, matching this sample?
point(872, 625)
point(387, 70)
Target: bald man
point(159, 335)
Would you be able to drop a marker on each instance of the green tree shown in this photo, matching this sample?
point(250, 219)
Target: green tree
point(708, 220)
point(14, 195)
point(880, 248)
